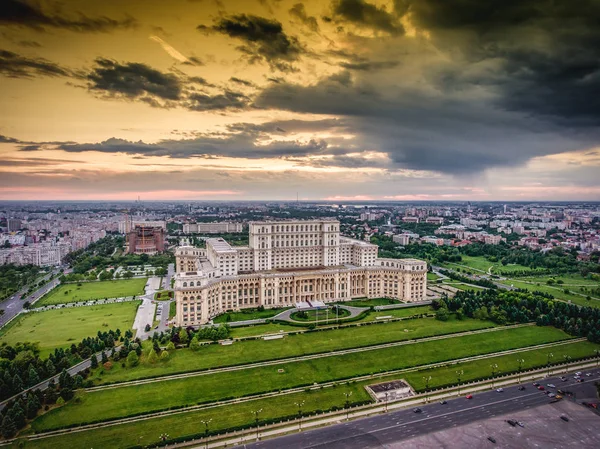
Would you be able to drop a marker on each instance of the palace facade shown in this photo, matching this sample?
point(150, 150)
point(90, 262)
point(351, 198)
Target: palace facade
point(288, 262)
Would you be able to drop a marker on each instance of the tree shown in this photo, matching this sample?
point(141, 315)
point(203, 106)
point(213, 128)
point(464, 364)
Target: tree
point(33, 376)
point(94, 361)
point(132, 359)
point(164, 355)
point(152, 357)
point(171, 346)
point(147, 328)
point(194, 344)
point(183, 336)
point(442, 314)
point(8, 427)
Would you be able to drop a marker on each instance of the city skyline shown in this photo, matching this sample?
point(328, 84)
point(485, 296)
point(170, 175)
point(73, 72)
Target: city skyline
point(342, 100)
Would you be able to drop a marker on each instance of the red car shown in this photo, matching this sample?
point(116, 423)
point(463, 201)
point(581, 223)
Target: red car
point(469, 396)
point(541, 388)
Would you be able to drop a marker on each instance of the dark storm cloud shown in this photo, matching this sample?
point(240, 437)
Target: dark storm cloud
point(227, 100)
point(264, 39)
point(366, 15)
point(13, 65)
point(133, 80)
point(27, 14)
point(243, 82)
point(369, 65)
point(6, 139)
point(548, 53)
point(299, 12)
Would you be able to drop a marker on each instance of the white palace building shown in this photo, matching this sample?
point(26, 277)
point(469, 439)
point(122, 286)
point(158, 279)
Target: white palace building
point(288, 262)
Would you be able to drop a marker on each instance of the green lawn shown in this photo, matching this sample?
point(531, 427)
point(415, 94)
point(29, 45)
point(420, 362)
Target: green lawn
point(172, 309)
point(248, 314)
point(249, 351)
point(60, 328)
point(557, 291)
point(465, 287)
point(399, 313)
point(480, 264)
point(568, 280)
point(67, 293)
point(446, 376)
point(370, 302)
point(261, 329)
point(129, 400)
point(320, 316)
point(432, 277)
point(163, 295)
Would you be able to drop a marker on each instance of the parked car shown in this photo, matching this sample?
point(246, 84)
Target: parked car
point(522, 388)
point(492, 439)
point(520, 423)
point(536, 384)
point(551, 385)
point(443, 402)
point(541, 388)
point(417, 410)
point(564, 418)
point(512, 422)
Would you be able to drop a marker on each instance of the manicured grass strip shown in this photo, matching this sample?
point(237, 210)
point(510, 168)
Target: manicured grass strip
point(67, 293)
point(172, 309)
point(261, 329)
point(131, 400)
point(239, 353)
point(60, 328)
point(567, 279)
point(370, 302)
point(400, 313)
point(250, 314)
point(234, 415)
point(227, 417)
point(478, 369)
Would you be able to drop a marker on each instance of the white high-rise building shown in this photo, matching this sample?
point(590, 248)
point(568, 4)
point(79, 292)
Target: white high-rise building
point(288, 262)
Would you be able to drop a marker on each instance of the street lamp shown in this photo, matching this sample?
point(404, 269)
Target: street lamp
point(206, 423)
point(549, 356)
point(521, 361)
point(597, 351)
point(494, 371)
point(458, 376)
point(256, 413)
point(426, 379)
point(347, 404)
point(299, 405)
point(567, 359)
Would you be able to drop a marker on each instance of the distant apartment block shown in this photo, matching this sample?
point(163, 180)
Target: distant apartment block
point(42, 256)
point(13, 224)
point(435, 220)
point(410, 219)
point(287, 262)
point(212, 228)
point(401, 239)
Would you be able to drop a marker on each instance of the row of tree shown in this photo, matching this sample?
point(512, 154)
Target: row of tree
point(522, 306)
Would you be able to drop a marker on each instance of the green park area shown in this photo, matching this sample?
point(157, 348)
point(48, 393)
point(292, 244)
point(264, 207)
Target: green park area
point(370, 302)
point(561, 292)
point(240, 414)
point(59, 328)
point(249, 351)
point(129, 400)
point(320, 316)
point(481, 265)
point(85, 291)
point(248, 314)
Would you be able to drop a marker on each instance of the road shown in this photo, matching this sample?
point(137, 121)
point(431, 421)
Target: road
point(168, 277)
point(13, 305)
point(386, 429)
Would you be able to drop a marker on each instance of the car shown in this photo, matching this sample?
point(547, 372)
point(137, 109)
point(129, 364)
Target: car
point(417, 410)
point(469, 396)
point(564, 379)
point(492, 439)
point(578, 373)
point(588, 374)
point(522, 388)
point(541, 388)
point(520, 424)
point(564, 418)
point(535, 384)
point(551, 385)
point(579, 380)
point(512, 422)
point(558, 396)
point(551, 395)
point(443, 402)
point(500, 390)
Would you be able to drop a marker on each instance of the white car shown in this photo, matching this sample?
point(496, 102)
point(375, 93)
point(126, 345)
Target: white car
point(500, 390)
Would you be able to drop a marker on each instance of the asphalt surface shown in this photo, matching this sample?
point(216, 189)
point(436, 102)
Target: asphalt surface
point(387, 429)
point(12, 306)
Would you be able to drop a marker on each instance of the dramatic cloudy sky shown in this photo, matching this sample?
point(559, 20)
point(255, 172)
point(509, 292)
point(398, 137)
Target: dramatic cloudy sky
point(333, 99)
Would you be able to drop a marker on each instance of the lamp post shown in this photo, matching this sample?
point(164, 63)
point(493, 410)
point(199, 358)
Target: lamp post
point(347, 404)
point(458, 376)
point(256, 413)
point(521, 361)
point(299, 405)
point(426, 379)
point(386, 400)
point(548, 357)
point(494, 368)
point(567, 359)
point(597, 351)
point(206, 423)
